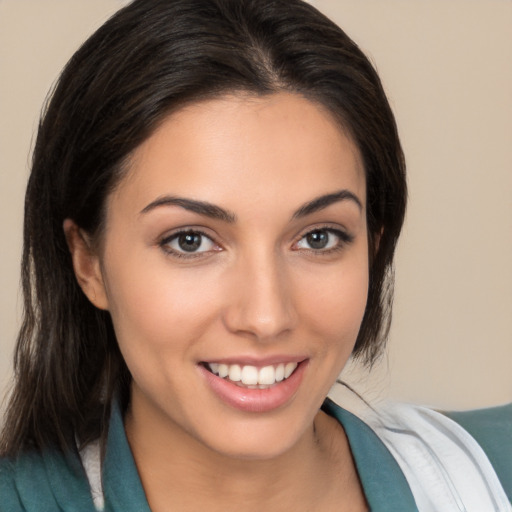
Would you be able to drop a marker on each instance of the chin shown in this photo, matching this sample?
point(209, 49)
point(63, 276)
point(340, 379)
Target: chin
point(258, 438)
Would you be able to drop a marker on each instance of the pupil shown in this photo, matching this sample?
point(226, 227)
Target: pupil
point(189, 242)
point(318, 239)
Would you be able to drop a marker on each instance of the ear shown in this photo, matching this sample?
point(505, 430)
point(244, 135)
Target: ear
point(86, 264)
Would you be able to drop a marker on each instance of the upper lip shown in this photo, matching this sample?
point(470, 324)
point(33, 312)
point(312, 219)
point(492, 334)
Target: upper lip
point(259, 362)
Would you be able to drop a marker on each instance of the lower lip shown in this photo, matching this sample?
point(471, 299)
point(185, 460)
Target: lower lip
point(255, 400)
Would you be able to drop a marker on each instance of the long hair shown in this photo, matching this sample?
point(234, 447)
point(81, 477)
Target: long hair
point(149, 59)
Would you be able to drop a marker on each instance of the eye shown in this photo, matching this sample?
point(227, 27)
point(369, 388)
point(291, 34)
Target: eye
point(323, 239)
point(188, 243)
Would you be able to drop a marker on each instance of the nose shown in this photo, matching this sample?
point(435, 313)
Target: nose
point(261, 303)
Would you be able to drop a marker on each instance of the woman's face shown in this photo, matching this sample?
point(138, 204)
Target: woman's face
point(237, 244)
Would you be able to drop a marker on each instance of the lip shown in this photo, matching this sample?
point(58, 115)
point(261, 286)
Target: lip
point(256, 400)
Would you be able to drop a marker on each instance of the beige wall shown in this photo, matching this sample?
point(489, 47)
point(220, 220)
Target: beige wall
point(447, 67)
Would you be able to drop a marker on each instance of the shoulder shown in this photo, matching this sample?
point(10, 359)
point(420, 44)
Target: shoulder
point(48, 480)
point(9, 497)
point(20, 482)
point(492, 429)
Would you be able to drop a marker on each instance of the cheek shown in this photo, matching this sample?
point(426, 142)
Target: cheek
point(154, 309)
point(335, 303)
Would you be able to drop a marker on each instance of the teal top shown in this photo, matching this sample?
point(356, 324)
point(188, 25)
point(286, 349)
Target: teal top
point(53, 482)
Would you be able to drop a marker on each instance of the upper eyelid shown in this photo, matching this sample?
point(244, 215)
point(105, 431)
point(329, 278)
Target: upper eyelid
point(345, 237)
point(164, 241)
point(333, 228)
point(180, 231)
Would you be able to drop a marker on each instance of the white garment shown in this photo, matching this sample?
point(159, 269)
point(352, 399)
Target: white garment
point(91, 462)
point(445, 467)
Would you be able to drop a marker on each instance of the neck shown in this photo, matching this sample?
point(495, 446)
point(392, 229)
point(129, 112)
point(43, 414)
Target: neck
point(176, 468)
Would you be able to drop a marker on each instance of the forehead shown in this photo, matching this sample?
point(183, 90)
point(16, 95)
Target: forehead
point(241, 148)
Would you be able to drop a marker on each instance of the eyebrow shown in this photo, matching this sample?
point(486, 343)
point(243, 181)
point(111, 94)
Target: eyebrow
point(326, 200)
point(216, 212)
point(200, 207)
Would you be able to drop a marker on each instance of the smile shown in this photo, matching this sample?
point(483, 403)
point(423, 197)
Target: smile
point(251, 388)
point(251, 376)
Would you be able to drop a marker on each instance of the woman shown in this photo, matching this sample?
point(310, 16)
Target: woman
point(216, 194)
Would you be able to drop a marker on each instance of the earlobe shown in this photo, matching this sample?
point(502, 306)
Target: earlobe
point(86, 264)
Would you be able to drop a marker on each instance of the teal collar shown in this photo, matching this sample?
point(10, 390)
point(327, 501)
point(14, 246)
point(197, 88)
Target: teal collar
point(121, 483)
point(384, 484)
point(49, 481)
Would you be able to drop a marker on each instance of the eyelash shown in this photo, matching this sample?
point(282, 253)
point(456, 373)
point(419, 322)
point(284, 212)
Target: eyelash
point(344, 239)
point(164, 244)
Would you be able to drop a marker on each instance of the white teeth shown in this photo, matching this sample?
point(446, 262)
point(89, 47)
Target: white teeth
point(235, 373)
point(223, 370)
point(288, 369)
point(249, 375)
point(279, 372)
point(253, 377)
point(267, 375)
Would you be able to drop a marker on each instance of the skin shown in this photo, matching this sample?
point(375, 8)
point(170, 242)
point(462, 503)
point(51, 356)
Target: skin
point(255, 289)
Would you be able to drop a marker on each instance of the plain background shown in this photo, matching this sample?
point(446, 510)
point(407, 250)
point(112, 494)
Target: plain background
point(447, 68)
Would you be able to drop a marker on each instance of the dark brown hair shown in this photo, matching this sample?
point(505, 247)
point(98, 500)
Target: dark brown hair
point(150, 58)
